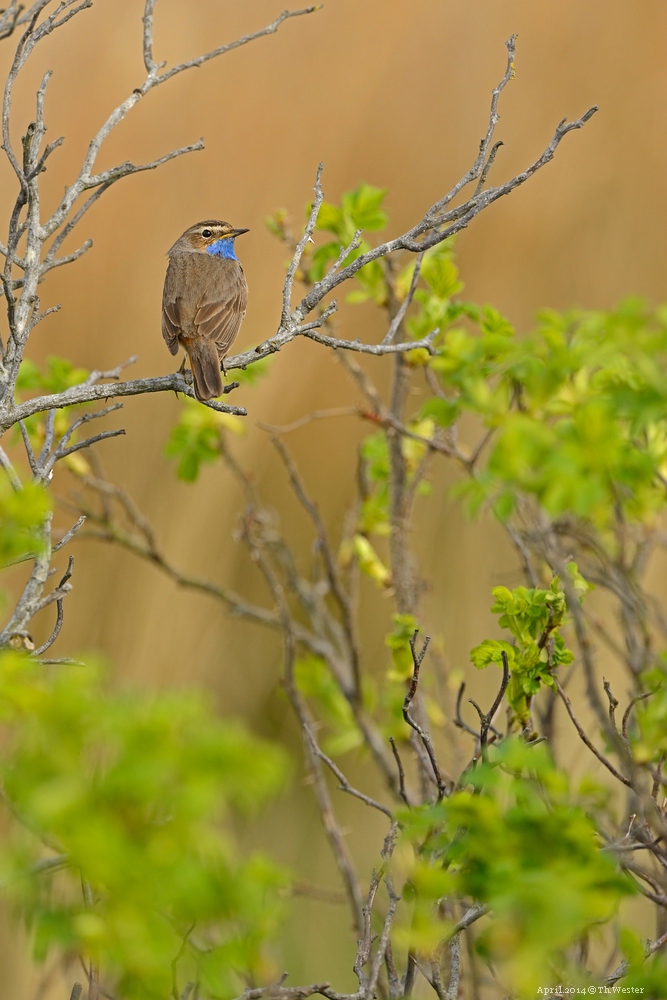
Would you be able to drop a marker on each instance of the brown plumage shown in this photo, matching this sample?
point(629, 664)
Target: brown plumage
point(204, 300)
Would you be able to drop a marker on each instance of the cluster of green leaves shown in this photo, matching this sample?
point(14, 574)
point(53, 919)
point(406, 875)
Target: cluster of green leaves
point(22, 513)
point(577, 408)
point(648, 729)
point(359, 210)
point(373, 517)
point(133, 793)
point(197, 437)
point(517, 840)
point(314, 681)
point(57, 375)
point(534, 618)
point(646, 975)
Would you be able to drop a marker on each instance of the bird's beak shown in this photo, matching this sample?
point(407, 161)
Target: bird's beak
point(239, 232)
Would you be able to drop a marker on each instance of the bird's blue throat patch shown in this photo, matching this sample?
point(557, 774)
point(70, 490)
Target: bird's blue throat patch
point(222, 248)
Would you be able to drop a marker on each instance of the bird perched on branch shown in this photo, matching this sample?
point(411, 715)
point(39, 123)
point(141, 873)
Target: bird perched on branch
point(204, 300)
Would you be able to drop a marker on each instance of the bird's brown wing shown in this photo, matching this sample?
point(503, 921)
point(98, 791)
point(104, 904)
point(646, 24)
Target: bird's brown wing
point(221, 309)
point(171, 320)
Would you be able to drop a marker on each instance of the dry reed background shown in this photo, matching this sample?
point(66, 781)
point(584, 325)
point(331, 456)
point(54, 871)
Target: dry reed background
point(394, 92)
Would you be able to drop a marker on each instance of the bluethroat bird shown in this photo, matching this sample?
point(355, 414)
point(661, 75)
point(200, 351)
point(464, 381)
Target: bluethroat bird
point(204, 300)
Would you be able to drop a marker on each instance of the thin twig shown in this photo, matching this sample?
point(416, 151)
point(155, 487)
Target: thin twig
point(397, 321)
point(333, 577)
point(486, 719)
point(344, 784)
point(401, 772)
point(613, 702)
point(577, 725)
point(12, 475)
point(69, 535)
point(417, 658)
point(61, 610)
point(631, 705)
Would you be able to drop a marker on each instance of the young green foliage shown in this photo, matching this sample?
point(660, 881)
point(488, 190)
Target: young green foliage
point(22, 514)
point(57, 375)
point(197, 437)
point(577, 406)
point(133, 792)
point(648, 730)
point(360, 209)
point(534, 618)
point(314, 680)
point(398, 641)
point(514, 838)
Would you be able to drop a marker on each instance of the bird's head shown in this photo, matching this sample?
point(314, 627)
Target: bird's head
point(212, 236)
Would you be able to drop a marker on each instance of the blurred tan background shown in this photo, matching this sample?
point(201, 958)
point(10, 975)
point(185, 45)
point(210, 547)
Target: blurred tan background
point(394, 92)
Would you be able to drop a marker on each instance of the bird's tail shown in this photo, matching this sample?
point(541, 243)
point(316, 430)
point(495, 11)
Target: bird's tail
point(205, 365)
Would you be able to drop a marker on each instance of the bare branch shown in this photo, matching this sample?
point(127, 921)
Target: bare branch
point(283, 337)
point(63, 450)
point(405, 304)
point(301, 246)
point(458, 719)
point(145, 546)
point(476, 911)
point(613, 702)
point(103, 436)
point(377, 349)
point(344, 785)
point(577, 725)
point(417, 658)
point(149, 62)
point(333, 577)
point(69, 535)
point(487, 718)
point(28, 447)
point(270, 29)
point(331, 827)
point(429, 232)
point(628, 711)
point(87, 393)
point(401, 772)
point(61, 610)
point(49, 434)
point(10, 470)
point(114, 174)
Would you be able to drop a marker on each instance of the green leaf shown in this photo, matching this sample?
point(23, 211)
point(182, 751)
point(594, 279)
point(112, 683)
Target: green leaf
point(518, 842)
point(156, 778)
point(197, 437)
point(59, 374)
point(443, 411)
point(441, 273)
point(22, 514)
point(330, 218)
point(398, 642)
point(314, 680)
point(363, 207)
point(322, 259)
point(490, 652)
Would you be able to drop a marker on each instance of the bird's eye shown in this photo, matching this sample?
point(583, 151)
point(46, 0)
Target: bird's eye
point(206, 233)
